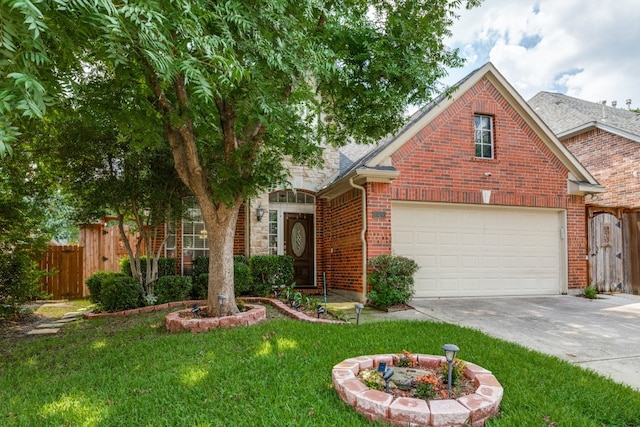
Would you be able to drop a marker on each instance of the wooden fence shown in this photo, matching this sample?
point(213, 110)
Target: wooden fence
point(65, 265)
point(101, 249)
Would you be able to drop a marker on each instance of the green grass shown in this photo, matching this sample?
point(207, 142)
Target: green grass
point(130, 372)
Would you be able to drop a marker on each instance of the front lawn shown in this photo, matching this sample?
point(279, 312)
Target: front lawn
point(130, 372)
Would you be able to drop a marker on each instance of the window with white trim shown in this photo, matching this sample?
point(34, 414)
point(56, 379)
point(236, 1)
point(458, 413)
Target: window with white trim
point(194, 239)
point(483, 136)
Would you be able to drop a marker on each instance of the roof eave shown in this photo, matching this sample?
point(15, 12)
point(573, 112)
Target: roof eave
point(359, 177)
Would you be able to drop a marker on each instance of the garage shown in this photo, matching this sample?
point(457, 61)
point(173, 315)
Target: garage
point(477, 250)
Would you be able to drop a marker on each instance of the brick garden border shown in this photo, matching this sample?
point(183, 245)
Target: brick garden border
point(175, 323)
point(473, 409)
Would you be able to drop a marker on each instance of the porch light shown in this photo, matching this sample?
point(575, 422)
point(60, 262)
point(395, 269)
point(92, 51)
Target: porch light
point(221, 300)
point(259, 212)
point(359, 308)
point(450, 351)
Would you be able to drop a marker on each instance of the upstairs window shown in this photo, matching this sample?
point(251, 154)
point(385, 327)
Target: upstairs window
point(484, 136)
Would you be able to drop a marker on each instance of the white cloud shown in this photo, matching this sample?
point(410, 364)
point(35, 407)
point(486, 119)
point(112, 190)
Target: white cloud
point(583, 48)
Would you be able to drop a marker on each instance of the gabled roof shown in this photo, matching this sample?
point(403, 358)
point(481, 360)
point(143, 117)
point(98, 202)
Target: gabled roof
point(375, 165)
point(568, 116)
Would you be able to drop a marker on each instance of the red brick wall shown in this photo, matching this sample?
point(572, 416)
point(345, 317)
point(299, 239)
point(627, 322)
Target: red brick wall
point(239, 240)
point(439, 165)
point(343, 247)
point(322, 261)
point(612, 160)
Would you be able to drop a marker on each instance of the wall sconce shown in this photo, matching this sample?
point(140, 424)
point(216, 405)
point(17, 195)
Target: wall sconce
point(259, 212)
point(450, 351)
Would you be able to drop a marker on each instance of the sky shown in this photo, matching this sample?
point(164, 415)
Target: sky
point(588, 49)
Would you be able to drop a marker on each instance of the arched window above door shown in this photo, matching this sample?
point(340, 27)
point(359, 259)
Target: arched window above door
point(288, 196)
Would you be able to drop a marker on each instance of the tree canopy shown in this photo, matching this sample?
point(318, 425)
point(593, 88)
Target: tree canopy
point(236, 86)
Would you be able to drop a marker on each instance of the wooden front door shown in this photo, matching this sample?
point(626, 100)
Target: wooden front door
point(300, 245)
point(605, 252)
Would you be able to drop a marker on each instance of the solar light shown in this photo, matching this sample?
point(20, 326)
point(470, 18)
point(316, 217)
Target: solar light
point(320, 310)
point(450, 351)
point(386, 376)
point(221, 300)
point(359, 308)
point(195, 310)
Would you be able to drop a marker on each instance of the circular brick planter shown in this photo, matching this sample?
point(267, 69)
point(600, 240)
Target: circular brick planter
point(473, 409)
point(253, 315)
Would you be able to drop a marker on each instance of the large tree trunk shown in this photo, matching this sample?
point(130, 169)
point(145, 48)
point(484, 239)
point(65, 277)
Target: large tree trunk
point(220, 223)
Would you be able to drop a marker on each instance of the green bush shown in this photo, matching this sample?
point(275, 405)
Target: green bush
point(590, 292)
point(200, 266)
point(200, 287)
point(172, 288)
point(166, 266)
point(18, 282)
point(269, 271)
point(94, 283)
point(120, 292)
point(241, 259)
point(242, 279)
point(391, 280)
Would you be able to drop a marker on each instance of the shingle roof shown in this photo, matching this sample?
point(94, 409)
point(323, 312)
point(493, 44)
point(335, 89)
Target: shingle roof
point(563, 113)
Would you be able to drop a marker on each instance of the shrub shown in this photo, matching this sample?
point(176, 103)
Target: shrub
point(166, 266)
point(590, 292)
point(200, 266)
point(241, 258)
point(242, 279)
point(200, 287)
point(94, 283)
point(172, 288)
point(18, 282)
point(270, 271)
point(120, 292)
point(391, 280)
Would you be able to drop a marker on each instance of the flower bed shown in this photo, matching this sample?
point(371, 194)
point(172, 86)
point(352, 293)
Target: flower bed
point(176, 322)
point(471, 409)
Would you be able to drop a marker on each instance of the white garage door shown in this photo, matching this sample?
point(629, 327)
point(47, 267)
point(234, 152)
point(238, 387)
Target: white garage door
point(471, 250)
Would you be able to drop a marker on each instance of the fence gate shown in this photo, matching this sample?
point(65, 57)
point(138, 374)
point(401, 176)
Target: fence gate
point(65, 265)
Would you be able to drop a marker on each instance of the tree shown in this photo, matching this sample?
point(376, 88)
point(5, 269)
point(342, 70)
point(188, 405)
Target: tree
point(109, 162)
point(238, 85)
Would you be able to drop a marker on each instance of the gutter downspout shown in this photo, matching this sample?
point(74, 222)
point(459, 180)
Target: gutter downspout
point(362, 237)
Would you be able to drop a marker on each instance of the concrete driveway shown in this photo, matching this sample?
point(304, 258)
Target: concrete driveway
point(602, 334)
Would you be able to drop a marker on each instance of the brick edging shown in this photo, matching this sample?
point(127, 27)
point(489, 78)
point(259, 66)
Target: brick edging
point(294, 314)
point(473, 409)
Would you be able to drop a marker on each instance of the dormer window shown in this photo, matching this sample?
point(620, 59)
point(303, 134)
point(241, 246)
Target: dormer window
point(484, 136)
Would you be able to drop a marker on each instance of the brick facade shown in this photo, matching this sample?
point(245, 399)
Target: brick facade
point(438, 164)
point(618, 170)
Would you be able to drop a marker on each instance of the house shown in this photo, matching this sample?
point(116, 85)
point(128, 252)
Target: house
point(475, 188)
point(606, 140)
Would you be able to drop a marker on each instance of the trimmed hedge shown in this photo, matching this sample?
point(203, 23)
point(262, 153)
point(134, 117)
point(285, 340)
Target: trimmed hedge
point(172, 288)
point(94, 283)
point(391, 280)
point(270, 271)
point(119, 292)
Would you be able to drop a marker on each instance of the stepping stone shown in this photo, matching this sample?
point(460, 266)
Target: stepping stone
point(47, 325)
point(66, 320)
point(72, 315)
point(48, 331)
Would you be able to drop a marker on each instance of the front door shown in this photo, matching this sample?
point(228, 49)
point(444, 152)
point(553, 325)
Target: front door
point(605, 252)
point(299, 244)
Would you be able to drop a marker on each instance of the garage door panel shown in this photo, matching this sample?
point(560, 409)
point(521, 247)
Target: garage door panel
point(471, 250)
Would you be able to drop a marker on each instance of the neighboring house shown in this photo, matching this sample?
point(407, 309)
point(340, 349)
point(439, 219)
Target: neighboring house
point(606, 140)
point(475, 188)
